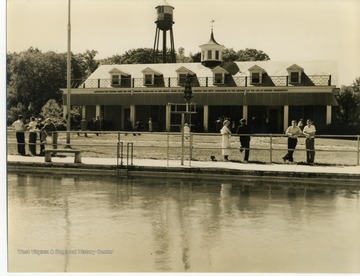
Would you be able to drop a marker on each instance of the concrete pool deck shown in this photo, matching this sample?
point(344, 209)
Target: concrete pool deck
point(173, 168)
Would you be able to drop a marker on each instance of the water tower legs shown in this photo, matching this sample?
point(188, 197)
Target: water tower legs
point(164, 50)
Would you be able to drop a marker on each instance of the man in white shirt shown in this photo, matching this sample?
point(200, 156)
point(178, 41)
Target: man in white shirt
point(20, 135)
point(309, 132)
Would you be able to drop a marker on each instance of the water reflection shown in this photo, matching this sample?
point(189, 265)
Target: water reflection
point(193, 225)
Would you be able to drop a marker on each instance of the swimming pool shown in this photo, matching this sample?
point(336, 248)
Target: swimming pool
point(92, 224)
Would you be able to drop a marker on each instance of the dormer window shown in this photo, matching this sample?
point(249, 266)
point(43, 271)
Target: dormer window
point(218, 78)
point(119, 78)
point(115, 80)
point(149, 76)
point(219, 75)
point(149, 79)
point(182, 79)
point(295, 72)
point(256, 74)
point(182, 75)
point(255, 78)
point(294, 77)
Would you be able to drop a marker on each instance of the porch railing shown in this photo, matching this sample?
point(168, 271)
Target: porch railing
point(242, 81)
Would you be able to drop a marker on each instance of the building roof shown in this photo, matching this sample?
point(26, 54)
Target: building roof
point(170, 70)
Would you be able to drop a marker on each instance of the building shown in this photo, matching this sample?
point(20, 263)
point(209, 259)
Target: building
point(268, 93)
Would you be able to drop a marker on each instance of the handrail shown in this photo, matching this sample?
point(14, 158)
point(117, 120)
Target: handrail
point(167, 144)
point(239, 81)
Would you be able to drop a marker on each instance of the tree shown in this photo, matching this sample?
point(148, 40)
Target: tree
point(348, 112)
point(356, 85)
point(252, 55)
point(181, 58)
point(138, 56)
point(34, 77)
point(115, 59)
point(196, 57)
point(53, 111)
point(230, 55)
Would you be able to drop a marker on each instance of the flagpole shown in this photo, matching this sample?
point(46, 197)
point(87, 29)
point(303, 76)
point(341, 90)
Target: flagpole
point(68, 73)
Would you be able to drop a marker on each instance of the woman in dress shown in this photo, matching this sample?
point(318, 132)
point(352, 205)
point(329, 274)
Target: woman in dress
point(225, 140)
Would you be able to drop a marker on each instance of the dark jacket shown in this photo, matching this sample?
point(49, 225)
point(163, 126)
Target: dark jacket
point(243, 129)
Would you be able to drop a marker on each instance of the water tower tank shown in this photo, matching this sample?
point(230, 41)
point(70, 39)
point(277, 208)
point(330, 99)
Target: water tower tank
point(164, 19)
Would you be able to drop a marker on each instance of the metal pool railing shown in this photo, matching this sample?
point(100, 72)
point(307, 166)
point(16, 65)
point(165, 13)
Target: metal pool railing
point(264, 148)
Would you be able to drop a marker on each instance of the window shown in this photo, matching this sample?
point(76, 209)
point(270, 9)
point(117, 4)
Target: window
point(294, 73)
point(182, 79)
point(115, 80)
point(255, 78)
point(256, 74)
point(294, 77)
point(217, 55)
point(209, 54)
point(218, 78)
point(149, 79)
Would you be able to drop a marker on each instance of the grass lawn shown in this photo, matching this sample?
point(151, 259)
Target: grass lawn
point(163, 146)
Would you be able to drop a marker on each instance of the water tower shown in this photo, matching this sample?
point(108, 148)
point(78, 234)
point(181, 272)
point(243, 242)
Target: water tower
point(164, 23)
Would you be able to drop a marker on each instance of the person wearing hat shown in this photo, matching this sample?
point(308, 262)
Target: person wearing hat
point(225, 140)
point(244, 131)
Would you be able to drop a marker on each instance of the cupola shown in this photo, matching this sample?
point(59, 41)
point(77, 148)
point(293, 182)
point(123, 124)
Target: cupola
point(211, 53)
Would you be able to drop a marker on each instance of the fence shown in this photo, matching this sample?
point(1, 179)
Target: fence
point(264, 148)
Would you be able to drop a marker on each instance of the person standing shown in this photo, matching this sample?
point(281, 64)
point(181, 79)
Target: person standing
point(244, 131)
point(83, 126)
point(97, 125)
point(150, 125)
point(50, 130)
point(292, 132)
point(32, 136)
point(309, 132)
point(225, 140)
point(42, 135)
point(186, 131)
point(20, 134)
point(301, 124)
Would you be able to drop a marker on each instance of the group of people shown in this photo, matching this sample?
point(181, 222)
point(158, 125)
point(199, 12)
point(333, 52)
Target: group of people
point(244, 136)
point(37, 129)
point(293, 132)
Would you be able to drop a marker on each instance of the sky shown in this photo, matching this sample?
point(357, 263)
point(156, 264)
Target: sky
point(283, 29)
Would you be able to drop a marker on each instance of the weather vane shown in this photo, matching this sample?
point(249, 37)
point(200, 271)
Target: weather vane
point(212, 24)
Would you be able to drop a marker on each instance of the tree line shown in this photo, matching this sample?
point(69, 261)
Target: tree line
point(34, 79)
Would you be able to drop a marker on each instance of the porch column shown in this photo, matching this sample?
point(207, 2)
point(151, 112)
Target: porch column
point(132, 115)
point(64, 111)
point(97, 110)
point(206, 118)
point(83, 112)
point(328, 114)
point(245, 112)
point(123, 119)
point(168, 117)
point(286, 117)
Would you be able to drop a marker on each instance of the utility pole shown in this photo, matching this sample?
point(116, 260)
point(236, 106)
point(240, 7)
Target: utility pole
point(68, 73)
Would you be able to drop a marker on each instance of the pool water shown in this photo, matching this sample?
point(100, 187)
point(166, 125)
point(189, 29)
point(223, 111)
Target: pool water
point(103, 224)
